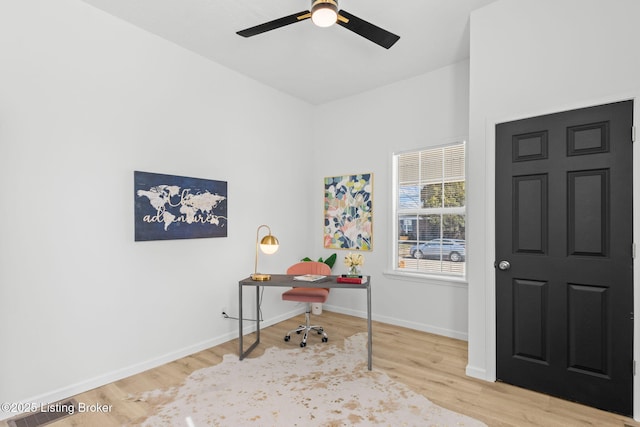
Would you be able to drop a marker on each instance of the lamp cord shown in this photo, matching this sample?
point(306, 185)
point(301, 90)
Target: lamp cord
point(226, 316)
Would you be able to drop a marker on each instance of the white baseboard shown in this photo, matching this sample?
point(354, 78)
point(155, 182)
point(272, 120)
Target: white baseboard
point(478, 373)
point(107, 378)
point(404, 323)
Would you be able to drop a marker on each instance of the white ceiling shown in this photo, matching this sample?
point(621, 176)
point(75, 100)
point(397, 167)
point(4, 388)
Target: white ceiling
point(315, 64)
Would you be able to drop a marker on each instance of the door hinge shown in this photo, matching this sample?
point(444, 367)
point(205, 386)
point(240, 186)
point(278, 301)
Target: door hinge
point(633, 251)
point(634, 368)
point(633, 134)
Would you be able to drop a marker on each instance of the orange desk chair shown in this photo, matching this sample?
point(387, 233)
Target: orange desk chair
point(308, 295)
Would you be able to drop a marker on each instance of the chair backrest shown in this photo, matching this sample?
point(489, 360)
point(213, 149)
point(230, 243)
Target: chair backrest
point(310, 267)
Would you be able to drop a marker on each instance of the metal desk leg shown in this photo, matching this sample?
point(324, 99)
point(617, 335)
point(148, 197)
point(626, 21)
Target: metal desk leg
point(257, 315)
point(242, 354)
point(369, 335)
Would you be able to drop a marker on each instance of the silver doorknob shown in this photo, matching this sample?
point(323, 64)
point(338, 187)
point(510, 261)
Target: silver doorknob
point(504, 265)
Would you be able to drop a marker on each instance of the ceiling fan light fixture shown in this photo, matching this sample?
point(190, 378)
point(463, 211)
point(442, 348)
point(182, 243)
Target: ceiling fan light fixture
point(324, 13)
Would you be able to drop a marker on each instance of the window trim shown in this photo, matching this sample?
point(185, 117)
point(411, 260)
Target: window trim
point(393, 271)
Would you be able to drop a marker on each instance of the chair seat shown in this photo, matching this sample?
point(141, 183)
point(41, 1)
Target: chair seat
point(306, 295)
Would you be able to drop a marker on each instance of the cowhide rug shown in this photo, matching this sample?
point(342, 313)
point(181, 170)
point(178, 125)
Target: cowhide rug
point(320, 385)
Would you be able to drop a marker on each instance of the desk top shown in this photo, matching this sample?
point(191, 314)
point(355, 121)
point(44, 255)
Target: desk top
point(286, 280)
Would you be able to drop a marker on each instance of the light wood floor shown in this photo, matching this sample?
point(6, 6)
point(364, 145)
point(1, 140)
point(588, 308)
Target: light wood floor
point(431, 365)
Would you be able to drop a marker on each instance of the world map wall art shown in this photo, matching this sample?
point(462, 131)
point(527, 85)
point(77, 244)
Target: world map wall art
point(348, 212)
point(176, 207)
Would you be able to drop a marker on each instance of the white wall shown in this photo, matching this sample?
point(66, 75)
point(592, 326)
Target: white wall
point(532, 57)
point(86, 99)
point(358, 135)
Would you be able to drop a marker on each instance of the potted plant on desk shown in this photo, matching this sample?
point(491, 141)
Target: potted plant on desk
point(329, 261)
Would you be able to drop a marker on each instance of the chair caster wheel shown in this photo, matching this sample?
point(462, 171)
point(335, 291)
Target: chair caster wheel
point(298, 332)
point(287, 338)
point(303, 344)
point(325, 339)
point(319, 332)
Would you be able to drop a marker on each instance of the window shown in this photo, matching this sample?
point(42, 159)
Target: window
point(429, 211)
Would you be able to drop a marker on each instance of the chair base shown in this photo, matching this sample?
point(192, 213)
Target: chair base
point(306, 328)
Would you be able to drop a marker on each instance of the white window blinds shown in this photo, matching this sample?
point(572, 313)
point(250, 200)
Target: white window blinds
point(430, 210)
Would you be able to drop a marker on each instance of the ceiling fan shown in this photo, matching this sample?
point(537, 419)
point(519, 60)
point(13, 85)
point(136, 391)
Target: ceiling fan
point(324, 13)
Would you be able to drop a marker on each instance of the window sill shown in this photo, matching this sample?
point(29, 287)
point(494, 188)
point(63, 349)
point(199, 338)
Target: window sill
point(434, 279)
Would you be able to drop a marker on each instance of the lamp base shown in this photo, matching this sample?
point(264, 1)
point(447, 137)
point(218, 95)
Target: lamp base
point(258, 277)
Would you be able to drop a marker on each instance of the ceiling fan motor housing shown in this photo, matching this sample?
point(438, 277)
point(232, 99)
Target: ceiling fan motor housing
point(324, 13)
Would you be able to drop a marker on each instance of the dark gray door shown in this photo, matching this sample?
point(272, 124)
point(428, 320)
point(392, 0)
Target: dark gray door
point(564, 258)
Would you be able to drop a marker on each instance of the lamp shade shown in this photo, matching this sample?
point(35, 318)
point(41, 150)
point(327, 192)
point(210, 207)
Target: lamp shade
point(269, 244)
point(324, 13)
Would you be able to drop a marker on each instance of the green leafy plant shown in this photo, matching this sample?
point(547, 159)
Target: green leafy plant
point(331, 259)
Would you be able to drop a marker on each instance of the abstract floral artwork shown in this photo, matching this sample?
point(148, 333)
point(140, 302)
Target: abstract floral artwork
point(348, 212)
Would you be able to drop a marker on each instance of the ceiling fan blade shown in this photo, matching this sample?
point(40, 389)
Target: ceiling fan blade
point(367, 30)
point(277, 23)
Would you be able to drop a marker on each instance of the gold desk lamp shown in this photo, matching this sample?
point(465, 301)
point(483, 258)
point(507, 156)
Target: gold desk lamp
point(269, 245)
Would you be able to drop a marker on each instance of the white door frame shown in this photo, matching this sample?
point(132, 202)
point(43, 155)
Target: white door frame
point(490, 243)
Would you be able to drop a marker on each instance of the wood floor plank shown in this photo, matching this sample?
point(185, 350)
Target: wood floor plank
point(431, 365)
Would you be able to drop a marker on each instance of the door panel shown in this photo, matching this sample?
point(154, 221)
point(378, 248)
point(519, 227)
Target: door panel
point(588, 213)
point(589, 345)
point(530, 320)
point(530, 229)
point(564, 223)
